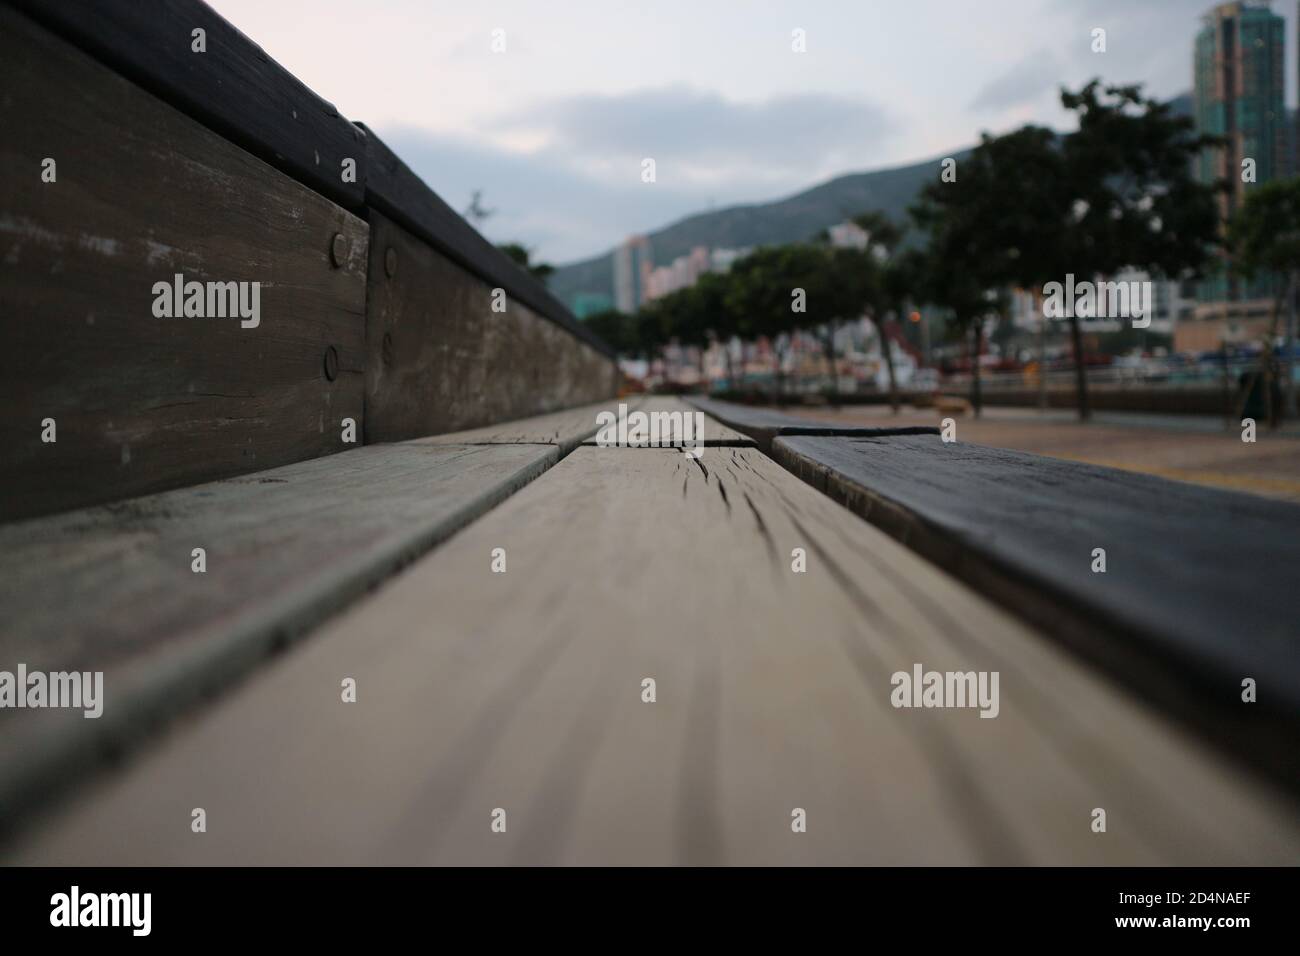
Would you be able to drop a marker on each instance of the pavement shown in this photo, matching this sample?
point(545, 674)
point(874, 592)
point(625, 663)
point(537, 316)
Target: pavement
point(1193, 448)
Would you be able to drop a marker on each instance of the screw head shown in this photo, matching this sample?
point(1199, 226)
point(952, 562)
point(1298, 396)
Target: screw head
point(338, 250)
point(331, 363)
point(390, 262)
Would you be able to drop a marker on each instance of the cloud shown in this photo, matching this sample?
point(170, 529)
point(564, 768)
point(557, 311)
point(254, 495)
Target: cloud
point(565, 176)
point(1152, 42)
point(1023, 83)
point(540, 199)
point(705, 137)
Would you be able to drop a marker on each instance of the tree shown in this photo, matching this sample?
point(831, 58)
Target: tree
point(1132, 195)
point(1264, 237)
point(1031, 207)
point(695, 316)
point(521, 256)
point(895, 276)
point(617, 329)
point(966, 258)
point(967, 293)
point(784, 289)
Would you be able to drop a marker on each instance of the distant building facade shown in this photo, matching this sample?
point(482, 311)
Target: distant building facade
point(633, 262)
point(685, 271)
point(1239, 73)
point(848, 235)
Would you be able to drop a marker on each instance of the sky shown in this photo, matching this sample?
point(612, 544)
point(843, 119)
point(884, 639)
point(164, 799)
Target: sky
point(553, 129)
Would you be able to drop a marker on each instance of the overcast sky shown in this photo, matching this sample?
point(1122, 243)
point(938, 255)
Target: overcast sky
point(553, 129)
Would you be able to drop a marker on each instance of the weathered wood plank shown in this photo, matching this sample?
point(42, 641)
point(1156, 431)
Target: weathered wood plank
point(439, 358)
point(232, 87)
point(523, 691)
point(1198, 592)
point(763, 424)
point(565, 429)
point(715, 433)
point(142, 403)
point(112, 588)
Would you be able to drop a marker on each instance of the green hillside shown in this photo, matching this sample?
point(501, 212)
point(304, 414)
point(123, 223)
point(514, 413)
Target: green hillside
point(793, 219)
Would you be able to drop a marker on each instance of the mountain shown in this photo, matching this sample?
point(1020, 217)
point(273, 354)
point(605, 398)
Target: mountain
point(794, 219)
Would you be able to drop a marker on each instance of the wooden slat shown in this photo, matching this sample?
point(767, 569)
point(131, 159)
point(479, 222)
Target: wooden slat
point(1199, 588)
point(233, 88)
point(565, 429)
point(763, 425)
point(440, 359)
point(478, 690)
point(112, 588)
point(142, 192)
point(715, 433)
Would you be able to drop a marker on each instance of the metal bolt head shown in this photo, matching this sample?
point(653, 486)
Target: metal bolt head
point(338, 250)
point(331, 363)
point(390, 262)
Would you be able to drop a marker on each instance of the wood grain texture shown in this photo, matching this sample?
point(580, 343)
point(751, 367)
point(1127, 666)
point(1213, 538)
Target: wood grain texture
point(763, 425)
point(233, 88)
point(522, 691)
point(1199, 590)
point(439, 359)
point(715, 433)
point(144, 403)
point(566, 429)
point(111, 588)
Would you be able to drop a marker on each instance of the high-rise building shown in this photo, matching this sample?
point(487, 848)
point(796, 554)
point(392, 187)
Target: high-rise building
point(1239, 79)
point(633, 262)
point(1239, 76)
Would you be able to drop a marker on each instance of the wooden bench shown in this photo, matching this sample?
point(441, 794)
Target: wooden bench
point(523, 691)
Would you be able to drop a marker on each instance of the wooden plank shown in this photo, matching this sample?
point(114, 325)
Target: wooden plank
point(715, 433)
point(233, 88)
point(143, 403)
point(523, 691)
point(1198, 592)
point(763, 424)
point(112, 588)
point(441, 359)
point(565, 429)
point(398, 193)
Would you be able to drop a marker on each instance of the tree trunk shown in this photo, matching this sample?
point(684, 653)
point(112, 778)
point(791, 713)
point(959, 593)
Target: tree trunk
point(889, 365)
point(780, 377)
point(828, 349)
point(1288, 365)
point(1042, 354)
point(1080, 371)
point(1263, 367)
point(977, 397)
point(1227, 387)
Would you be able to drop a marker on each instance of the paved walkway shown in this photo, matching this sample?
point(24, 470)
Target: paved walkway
point(1186, 448)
